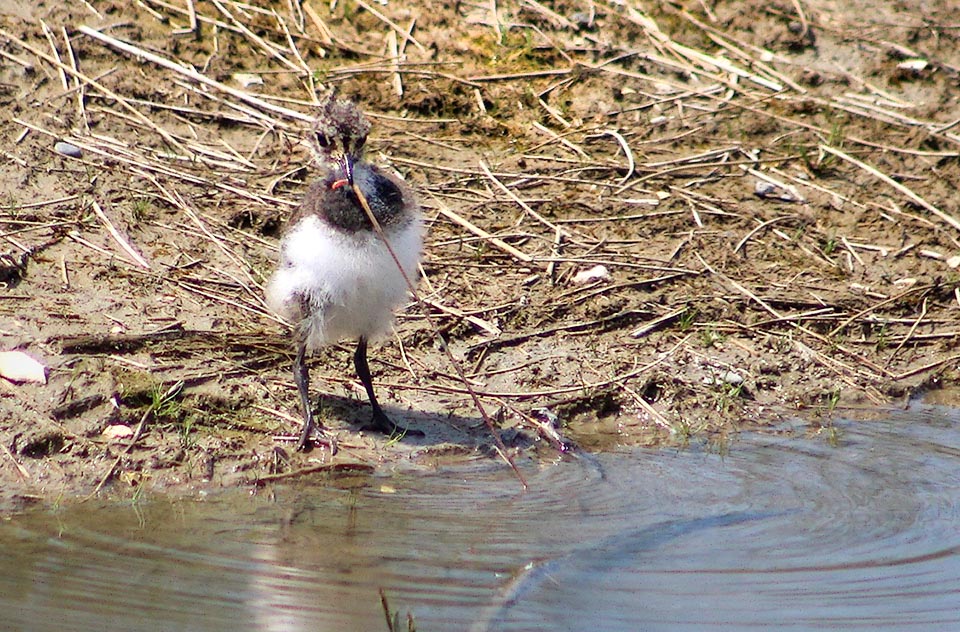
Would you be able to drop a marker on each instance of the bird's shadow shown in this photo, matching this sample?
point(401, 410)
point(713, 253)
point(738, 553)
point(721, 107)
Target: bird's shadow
point(343, 416)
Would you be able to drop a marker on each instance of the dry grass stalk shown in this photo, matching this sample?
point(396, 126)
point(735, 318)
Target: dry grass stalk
point(893, 183)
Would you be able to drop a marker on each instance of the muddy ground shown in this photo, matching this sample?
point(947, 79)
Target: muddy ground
point(769, 188)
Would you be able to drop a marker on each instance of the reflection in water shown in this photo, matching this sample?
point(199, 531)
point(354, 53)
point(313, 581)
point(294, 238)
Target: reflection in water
point(775, 533)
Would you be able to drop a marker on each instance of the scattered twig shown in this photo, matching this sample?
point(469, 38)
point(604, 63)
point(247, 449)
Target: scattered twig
point(21, 471)
point(268, 48)
point(396, 29)
point(476, 230)
point(910, 333)
point(121, 240)
point(760, 227)
point(82, 77)
point(526, 207)
point(893, 183)
point(330, 468)
point(189, 73)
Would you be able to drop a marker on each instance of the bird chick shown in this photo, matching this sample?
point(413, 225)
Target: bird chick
point(336, 277)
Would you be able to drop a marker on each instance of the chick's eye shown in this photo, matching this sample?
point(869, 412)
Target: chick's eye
point(322, 140)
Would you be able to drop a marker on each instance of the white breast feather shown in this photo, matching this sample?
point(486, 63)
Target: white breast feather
point(350, 281)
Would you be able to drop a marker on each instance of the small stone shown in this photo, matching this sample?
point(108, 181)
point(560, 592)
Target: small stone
point(763, 189)
point(583, 20)
point(768, 190)
point(67, 149)
point(731, 377)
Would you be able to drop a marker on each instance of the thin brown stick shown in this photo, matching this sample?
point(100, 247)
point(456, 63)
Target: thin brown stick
point(190, 73)
point(923, 368)
point(338, 468)
point(82, 77)
point(760, 227)
point(952, 221)
point(913, 329)
point(21, 471)
point(863, 312)
point(526, 207)
point(481, 233)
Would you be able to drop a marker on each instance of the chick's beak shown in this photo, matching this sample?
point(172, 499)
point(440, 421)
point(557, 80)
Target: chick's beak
point(344, 170)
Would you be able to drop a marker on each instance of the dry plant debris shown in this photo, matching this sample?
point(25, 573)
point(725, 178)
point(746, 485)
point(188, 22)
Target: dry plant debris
point(648, 221)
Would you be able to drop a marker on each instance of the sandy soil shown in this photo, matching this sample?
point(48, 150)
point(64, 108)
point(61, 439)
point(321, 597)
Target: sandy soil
point(768, 187)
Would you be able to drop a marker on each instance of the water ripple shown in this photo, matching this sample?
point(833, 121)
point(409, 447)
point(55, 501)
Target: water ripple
point(857, 533)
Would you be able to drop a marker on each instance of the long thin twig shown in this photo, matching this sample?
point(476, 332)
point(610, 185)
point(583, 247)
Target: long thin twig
point(193, 75)
point(84, 78)
point(483, 234)
point(893, 183)
point(501, 448)
point(526, 207)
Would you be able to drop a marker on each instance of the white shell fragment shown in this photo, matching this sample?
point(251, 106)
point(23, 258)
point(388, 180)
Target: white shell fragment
point(17, 366)
point(67, 149)
point(766, 190)
point(913, 65)
point(730, 377)
point(596, 273)
point(246, 79)
point(117, 431)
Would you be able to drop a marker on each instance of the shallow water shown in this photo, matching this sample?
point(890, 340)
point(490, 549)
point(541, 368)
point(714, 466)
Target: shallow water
point(788, 532)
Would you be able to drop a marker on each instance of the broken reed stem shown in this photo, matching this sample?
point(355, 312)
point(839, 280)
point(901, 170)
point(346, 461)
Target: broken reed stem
point(192, 75)
point(107, 91)
point(893, 183)
point(481, 233)
point(270, 50)
point(396, 28)
point(119, 238)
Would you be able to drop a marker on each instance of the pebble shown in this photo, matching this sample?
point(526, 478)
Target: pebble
point(913, 65)
point(730, 377)
point(67, 149)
